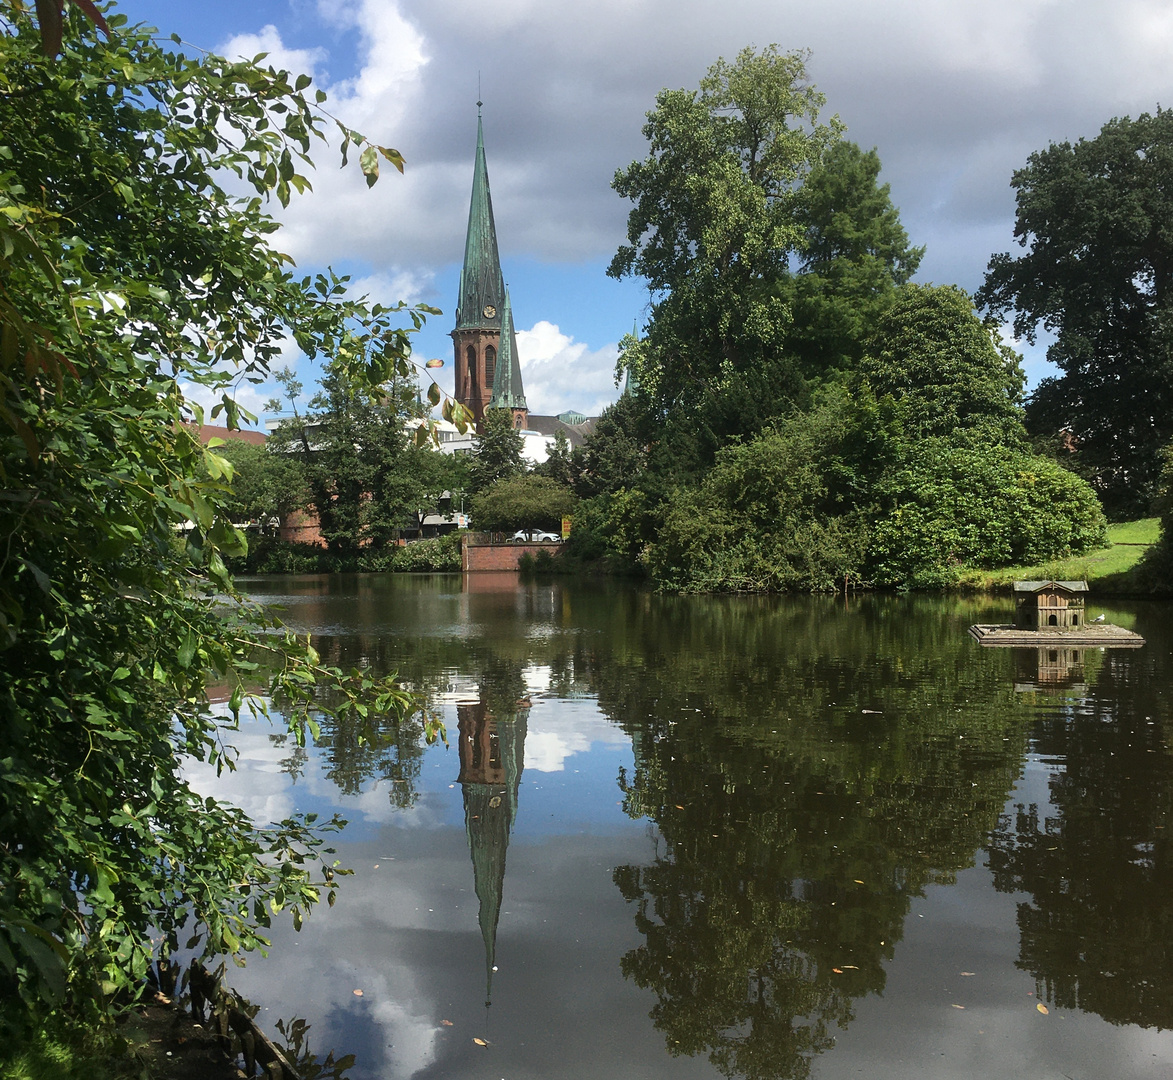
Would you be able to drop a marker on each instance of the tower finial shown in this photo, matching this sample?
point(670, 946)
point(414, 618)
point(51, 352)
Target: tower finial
point(479, 102)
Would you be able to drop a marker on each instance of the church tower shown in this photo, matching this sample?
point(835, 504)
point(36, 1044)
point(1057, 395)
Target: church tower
point(480, 307)
point(507, 389)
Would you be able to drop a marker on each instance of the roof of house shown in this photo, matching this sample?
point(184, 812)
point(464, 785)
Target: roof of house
point(576, 434)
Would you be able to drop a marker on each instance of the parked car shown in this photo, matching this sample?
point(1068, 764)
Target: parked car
point(523, 537)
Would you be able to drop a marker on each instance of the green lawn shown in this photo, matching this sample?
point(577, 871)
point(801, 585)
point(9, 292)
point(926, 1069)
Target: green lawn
point(1144, 531)
point(1114, 569)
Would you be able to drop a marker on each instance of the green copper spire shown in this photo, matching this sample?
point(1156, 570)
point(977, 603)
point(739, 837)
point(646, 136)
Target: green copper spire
point(631, 380)
point(482, 288)
point(508, 393)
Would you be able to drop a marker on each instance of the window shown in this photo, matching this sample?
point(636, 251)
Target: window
point(490, 364)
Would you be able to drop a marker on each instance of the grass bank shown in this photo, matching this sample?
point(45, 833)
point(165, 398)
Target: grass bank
point(1131, 565)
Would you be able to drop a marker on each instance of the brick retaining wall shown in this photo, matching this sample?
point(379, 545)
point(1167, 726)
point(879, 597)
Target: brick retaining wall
point(477, 557)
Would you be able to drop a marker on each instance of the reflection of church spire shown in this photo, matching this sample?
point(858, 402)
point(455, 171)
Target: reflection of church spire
point(492, 755)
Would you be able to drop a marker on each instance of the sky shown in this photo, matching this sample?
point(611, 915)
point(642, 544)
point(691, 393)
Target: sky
point(954, 94)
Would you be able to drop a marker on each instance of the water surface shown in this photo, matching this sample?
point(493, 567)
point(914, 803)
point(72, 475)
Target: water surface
point(695, 837)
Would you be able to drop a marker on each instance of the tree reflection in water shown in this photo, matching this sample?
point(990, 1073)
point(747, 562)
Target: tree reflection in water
point(1097, 929)
point(802, 803)
point(809, 771)
point(358, 749)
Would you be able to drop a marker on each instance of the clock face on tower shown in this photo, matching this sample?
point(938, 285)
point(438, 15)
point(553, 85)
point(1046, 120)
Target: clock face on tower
point(489, 311)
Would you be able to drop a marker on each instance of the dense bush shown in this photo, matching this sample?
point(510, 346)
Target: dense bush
point(840, 492)
point(440, 554)
point(612, 532)
point(268, 555)
point(958, 506)
point(526, 501)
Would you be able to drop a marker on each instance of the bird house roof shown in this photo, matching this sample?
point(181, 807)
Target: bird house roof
point(1045, 586)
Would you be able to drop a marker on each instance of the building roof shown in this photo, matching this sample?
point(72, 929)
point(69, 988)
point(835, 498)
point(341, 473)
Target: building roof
point(482, 287)
point(508, 392)
point(207, 432)
point(576, 434)
point(1039, 586)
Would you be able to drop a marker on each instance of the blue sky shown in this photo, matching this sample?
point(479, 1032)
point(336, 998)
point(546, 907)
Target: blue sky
point(954, 94)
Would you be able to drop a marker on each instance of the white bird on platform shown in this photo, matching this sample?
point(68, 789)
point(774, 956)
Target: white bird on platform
point(1098, 618)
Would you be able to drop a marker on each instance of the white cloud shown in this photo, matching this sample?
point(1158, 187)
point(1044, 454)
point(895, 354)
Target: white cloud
point(249, 397)
point(558, 730)
point(955, 97)
point(258, 785)
point(560, 373)
point(268, 40)
point(394, 285)
point(342, 219)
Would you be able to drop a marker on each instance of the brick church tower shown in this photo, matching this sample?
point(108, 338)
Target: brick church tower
point(488, 372)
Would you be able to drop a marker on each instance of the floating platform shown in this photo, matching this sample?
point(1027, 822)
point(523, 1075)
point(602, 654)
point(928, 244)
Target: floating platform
point(1103, 636)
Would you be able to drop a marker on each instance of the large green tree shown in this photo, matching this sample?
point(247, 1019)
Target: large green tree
point(714, 227)
point(265, 485)
point(1096, 220)
point(126, 267)
point(855, 254)
point(768, 243)
point(615, 452)
point(497, 451)
point(366, 478)
point(525, 502)
point(948, 372)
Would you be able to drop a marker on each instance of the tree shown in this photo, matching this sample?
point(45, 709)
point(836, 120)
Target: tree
point(365, 477)
point(497, 451)
point(613, 455)
point(522, 502)
point(559, 464)
point(265, 485)
point(855, 255)
point(713, 230)
point(125, 267)
point(946, 370)
point(1095, 220)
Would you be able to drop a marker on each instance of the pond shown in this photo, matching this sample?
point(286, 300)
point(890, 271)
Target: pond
point(746, 837)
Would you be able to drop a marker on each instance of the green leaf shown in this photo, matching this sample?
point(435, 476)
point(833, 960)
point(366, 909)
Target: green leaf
point(39, 576)
point(393, 156)
point(187, 649)
point(369, 162)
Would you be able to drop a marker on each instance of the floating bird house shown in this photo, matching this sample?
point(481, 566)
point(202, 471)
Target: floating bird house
point(1040, 605)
